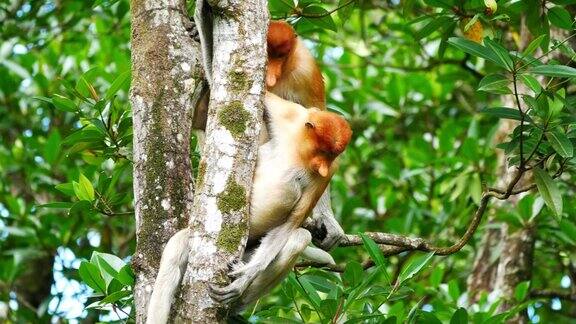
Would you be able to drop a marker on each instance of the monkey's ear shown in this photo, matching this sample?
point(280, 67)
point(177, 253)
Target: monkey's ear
point(309, 125)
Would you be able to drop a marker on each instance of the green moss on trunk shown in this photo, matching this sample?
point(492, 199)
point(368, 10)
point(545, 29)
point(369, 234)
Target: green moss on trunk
point(234, 118)
point(233, 197)
point(230, 236)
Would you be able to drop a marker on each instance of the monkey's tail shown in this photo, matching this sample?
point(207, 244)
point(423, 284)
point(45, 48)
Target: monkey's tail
point(317, 255)
point(172, 267)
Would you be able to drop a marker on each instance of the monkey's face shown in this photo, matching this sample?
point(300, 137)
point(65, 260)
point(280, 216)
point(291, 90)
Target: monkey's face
point(329, 134)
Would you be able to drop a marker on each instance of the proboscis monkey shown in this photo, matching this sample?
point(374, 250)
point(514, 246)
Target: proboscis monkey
point(292, 172)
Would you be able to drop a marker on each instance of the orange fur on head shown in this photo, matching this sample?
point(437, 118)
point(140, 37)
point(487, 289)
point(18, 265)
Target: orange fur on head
point(330, 134)
point(281, 40)
point(331, 131)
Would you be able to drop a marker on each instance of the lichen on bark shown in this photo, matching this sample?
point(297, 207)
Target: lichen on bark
point(201, 173)
point(234, 118)
point(231, 236)
point(240, 81)
point(233, 197)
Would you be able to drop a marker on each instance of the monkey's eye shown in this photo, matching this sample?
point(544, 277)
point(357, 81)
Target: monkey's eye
point(309, 125)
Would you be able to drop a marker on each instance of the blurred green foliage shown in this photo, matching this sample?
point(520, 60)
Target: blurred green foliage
point(424, 85)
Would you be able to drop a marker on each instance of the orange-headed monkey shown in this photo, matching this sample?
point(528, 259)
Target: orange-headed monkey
point(292, 72)
point(292, 172)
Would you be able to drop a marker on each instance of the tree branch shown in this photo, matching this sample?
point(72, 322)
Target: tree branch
point(393, 244)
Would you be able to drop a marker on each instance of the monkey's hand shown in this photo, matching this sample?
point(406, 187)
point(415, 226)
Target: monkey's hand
point(326, 232)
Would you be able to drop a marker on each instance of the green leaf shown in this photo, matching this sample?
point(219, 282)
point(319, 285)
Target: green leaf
point(122, 80)
point(569, 228)
point(298, 283)
point(428, 318)
point(434, 25)
point(521, 291)
point(84, 135)
point(376, 254)
point(505, 113)
point(116, 296)
point(560, 143)
point(353, 274)
point(126, 276)
point(373, 249)
point(346, 8)
point(534, 44)
point(436, 276)
point(446, 4)
point(495, 83)
point(501, 53)
point(549, 191)
point(310, 290)
point(476, 49)
point(110, 264)
point(476, 188)
point(329, 307)
point(43, 99)
point(280, 6)
point(90, 274)
point(560, 17)
point(63, 103)
point(414, 266)
point(83, 188)
point(560, 71)
point(57, 205)
point(454, 290)
point(531, 82)
point(460, 316)
point(66, 188)
point(51, 149)
point(319, 17)
point(86, 89)
point(80, 207)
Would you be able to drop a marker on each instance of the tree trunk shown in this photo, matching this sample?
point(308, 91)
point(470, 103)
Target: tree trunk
point(166, 81)
point(221, 205)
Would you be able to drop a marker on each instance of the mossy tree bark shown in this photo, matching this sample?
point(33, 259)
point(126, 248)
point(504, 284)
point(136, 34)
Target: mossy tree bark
point(221, 204)
point(166, 81)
